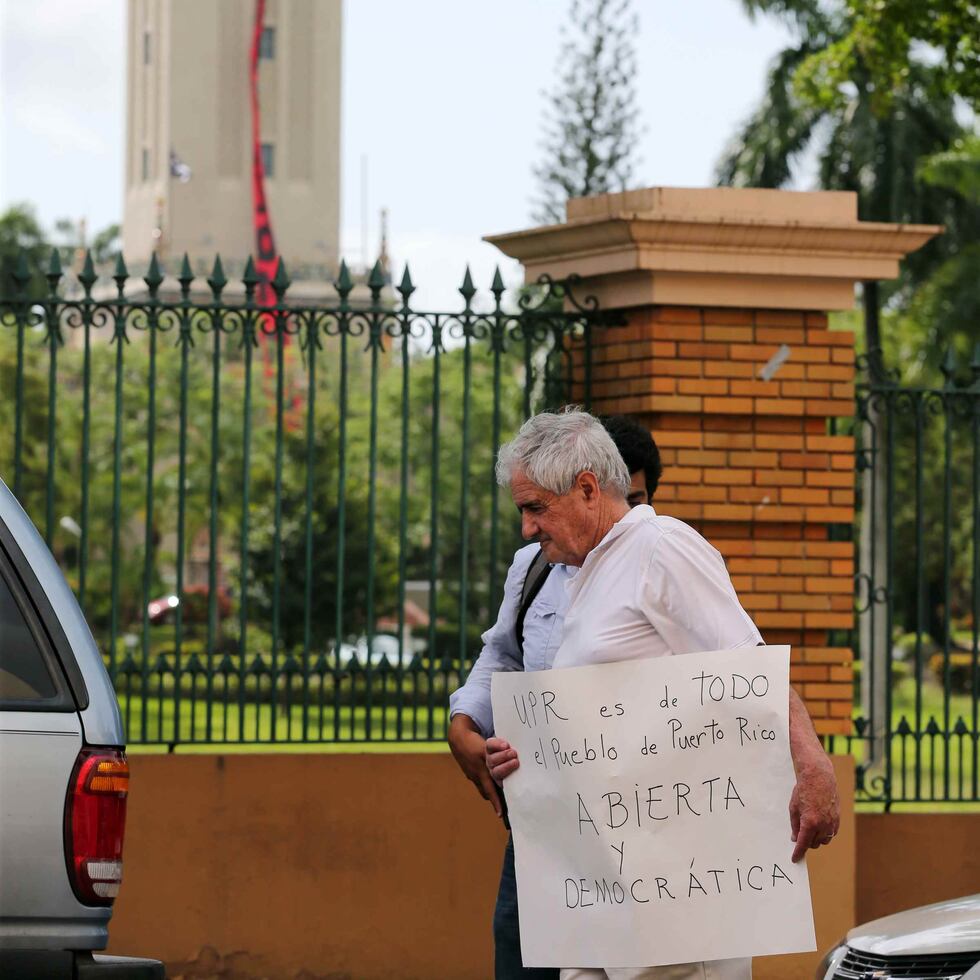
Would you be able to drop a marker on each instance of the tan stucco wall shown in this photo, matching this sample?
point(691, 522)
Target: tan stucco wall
point(908, 859)
point(345, 866)
point(832, 888)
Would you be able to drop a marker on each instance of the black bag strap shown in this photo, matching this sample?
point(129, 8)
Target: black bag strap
point(537, 573)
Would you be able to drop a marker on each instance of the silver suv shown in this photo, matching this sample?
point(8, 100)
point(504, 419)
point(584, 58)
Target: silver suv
point(63, 774)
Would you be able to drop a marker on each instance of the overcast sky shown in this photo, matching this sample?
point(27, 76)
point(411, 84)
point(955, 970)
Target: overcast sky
point(443, 97)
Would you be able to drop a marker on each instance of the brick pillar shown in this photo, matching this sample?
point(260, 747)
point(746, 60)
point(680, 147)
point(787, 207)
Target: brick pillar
point(713, 284)
point(750, 464)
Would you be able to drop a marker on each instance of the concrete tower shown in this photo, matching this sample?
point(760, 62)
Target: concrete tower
point(189, 131)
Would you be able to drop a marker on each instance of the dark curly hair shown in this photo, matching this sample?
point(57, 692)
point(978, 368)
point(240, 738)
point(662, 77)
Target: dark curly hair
point(636, 446)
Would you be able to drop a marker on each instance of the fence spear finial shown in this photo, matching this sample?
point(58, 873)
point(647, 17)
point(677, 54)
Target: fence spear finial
point(344, 284)
point(186, 277)
point(281, 281)
point(250, 279)
point(120, 274)
point(153, 277)
point(87, 276)
point(217, 280)
point(497, 286)
point(21, 274)
point(467, 290)
point(406, 287)
point(54, 273)
point(948, 367)
point(376, 282)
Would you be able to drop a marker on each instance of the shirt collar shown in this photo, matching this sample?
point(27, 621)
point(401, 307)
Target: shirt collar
point(642, 512)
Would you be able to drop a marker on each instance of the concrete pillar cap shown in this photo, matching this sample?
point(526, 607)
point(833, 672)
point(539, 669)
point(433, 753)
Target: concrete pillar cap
point(719, 246)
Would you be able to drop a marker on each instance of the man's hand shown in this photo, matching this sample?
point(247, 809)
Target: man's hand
point(814, 807)
point(501, 759)
point(469, 750)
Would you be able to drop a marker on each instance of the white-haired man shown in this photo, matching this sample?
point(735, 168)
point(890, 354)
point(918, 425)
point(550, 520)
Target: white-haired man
point(526, 636)
point(646, 586)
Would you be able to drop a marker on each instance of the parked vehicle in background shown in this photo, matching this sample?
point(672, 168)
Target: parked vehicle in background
point(64, 777)
point(932, 942)
point(384, 648)
point(162, 610)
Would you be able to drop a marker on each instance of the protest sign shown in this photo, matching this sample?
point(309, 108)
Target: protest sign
point(650, 810)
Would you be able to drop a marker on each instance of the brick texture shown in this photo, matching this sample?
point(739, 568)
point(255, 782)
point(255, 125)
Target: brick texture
point(752, 464)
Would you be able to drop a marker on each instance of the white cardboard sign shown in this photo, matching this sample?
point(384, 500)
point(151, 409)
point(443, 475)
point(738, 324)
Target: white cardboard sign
point(650, 810)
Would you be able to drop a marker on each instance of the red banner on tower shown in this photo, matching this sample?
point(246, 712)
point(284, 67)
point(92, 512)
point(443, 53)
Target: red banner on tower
point(265, 245)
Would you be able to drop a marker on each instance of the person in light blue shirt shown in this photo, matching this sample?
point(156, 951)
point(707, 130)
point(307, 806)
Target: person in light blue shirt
point(469, 707)
point(542, 636)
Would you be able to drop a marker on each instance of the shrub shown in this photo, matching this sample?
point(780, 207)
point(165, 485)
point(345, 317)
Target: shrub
point(960, 670)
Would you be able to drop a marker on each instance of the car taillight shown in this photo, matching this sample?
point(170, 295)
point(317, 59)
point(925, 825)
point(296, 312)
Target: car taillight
point(95, 820)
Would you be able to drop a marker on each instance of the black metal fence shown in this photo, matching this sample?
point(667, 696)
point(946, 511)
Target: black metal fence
point(282, 523)
point(280, 519)
point(916, 735)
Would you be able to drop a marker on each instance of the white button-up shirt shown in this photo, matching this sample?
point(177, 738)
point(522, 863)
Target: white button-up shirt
point(652, 587)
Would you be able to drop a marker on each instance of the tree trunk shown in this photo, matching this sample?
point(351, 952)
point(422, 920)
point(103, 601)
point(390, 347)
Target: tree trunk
point(872, 334)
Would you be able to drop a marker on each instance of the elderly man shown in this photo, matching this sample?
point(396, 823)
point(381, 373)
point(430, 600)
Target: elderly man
point(525, 637)
point(646, 586)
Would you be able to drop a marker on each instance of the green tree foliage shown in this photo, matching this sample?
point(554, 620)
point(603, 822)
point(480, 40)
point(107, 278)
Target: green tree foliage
point(332, 550)
point(435, 470)
point(859, 145)
point(931, 343)
point(882, 38)
point(956, 169)
point(380, 563)
point(883, 122)
point(945, 310)
point(591, 117)
point(941, 316)
point(71, 241)
point(66, 431)
point(21, 235)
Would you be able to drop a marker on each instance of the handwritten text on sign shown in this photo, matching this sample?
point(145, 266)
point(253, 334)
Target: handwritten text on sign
point(650, 810)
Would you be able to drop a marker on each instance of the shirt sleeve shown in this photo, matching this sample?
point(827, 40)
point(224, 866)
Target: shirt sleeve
point(499, 650)
point(688, 596)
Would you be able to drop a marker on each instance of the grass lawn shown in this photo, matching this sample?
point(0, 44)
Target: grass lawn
point(948, 768)
point(294, 748)
point(195, 725)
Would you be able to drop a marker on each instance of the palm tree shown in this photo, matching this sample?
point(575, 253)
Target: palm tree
point(876, 155)
point(946, 309)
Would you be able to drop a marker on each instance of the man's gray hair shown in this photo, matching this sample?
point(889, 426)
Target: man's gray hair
point(552, 448)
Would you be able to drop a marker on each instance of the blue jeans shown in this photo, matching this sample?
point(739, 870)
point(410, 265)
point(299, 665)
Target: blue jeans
point(507, 963)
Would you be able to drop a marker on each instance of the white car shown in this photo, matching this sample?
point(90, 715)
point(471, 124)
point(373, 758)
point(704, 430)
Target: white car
point(384, 647)
point(933, 942)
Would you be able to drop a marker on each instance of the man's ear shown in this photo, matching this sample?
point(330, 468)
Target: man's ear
point(588, 485)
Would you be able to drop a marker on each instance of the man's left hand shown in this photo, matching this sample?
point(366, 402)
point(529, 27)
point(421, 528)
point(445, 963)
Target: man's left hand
point(814, 808)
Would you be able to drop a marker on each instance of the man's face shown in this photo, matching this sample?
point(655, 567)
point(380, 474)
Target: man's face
point(638, 489)
point(564, 525)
